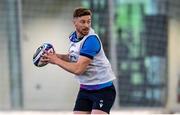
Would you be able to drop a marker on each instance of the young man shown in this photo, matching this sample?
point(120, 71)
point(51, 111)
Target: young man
point(86, 59)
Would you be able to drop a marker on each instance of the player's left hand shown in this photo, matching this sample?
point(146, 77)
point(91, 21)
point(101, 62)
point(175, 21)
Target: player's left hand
point(49, 57)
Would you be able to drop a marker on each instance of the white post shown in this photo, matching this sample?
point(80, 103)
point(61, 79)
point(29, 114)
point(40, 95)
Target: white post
point(13, 16)
point(112, 41)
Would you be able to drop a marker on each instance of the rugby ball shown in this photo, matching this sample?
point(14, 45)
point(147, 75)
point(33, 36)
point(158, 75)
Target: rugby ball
point(39, 52)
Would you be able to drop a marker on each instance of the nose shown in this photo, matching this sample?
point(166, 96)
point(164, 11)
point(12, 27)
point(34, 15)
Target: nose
point(86, 25)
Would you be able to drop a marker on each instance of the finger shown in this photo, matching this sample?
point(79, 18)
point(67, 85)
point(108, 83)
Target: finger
point(44, 59)
point(44, 55)
point(51, 52)
point(45, 52)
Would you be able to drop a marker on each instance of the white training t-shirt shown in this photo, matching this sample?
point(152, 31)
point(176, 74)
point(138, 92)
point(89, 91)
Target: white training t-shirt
point(99, 71)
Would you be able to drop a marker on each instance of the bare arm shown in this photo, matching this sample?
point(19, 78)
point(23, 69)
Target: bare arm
point(76, 68)
point(64, 57)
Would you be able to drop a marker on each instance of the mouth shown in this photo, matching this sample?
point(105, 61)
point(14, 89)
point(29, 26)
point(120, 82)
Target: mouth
point(86, 30)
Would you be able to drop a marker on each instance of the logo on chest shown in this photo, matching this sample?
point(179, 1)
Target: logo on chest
point(73, 56)
point(74, 52)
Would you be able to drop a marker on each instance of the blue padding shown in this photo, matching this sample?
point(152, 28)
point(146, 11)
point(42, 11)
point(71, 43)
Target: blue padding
point(91, 47)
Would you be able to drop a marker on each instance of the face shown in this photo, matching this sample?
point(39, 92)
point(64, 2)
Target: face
point(82, 25)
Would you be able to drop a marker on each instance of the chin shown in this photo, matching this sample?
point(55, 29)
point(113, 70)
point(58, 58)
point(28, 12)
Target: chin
point(85, 33)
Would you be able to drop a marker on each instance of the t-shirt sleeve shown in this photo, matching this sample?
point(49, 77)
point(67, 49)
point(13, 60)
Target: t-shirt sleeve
point(91, 47)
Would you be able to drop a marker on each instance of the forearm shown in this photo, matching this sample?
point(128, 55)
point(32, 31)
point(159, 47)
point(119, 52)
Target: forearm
point(64, 57)
point(77, 68)
point(70, 67)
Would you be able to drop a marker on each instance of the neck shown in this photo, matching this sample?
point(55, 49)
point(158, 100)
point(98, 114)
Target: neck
point(79, 35)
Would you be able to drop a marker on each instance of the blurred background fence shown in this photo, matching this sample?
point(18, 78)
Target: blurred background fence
point(140, 38)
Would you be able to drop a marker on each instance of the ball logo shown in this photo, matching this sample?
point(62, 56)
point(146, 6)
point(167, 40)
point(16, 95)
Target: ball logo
point(101, 103)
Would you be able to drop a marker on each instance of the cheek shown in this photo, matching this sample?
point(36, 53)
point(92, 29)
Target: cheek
point(79, 27)
point(75, 25)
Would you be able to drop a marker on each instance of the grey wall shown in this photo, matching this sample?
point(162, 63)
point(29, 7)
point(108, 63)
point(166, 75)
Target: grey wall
point(174, 64)
point(47, 87)
point(4, 65)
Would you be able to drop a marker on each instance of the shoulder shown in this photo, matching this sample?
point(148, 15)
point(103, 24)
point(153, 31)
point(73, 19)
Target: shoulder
point(92, 44)
point(73, 36)
point(92, 39)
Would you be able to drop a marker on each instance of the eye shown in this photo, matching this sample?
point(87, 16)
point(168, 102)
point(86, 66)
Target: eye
point(82, 21)
point(89, 22)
